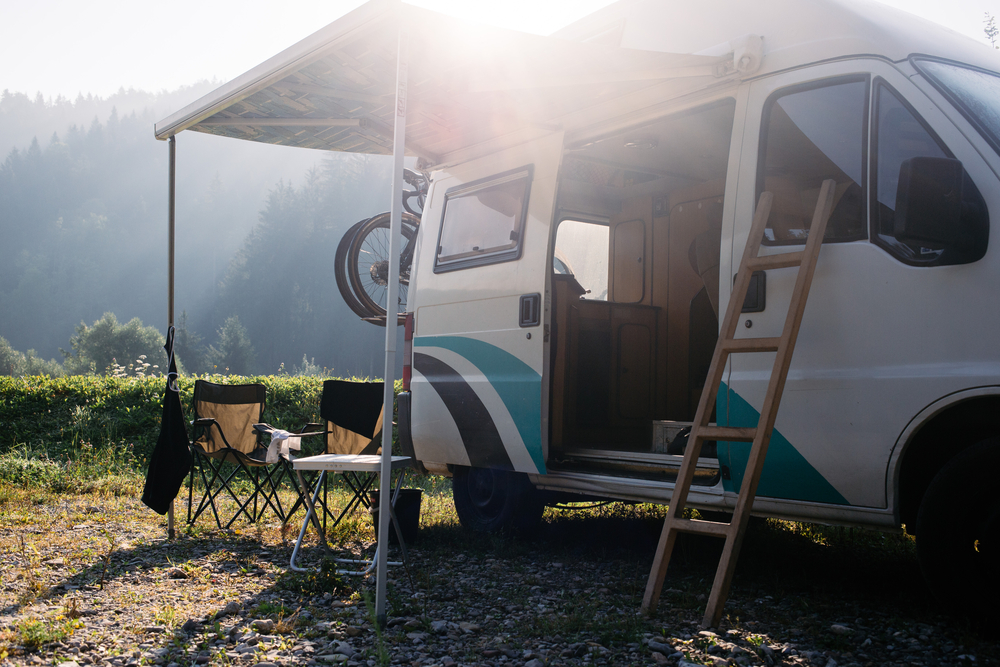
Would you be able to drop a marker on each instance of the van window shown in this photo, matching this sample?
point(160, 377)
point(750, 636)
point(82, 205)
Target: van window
point(483, 221)
point(899, 135)
point(809, 134)
point(974, 92)
point(582, 252)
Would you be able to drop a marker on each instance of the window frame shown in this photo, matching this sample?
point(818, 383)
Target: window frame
point(505, 254)
point(863, 77)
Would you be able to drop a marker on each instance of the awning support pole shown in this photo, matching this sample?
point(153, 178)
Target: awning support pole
point(171, 181)
point(391, 328)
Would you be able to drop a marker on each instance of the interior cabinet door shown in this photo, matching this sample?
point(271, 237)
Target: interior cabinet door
point(634, 371)
point(629, 243)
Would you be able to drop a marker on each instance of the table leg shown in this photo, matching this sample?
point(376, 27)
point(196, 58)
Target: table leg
point(310, 513)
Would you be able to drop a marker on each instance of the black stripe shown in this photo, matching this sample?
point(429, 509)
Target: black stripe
point(479, 434)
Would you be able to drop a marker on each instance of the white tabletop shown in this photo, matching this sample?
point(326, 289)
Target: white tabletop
point(348, 462)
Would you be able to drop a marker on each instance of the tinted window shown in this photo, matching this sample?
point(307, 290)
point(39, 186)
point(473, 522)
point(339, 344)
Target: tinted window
point(811, 134)
point(483, 221)
point(899, 136)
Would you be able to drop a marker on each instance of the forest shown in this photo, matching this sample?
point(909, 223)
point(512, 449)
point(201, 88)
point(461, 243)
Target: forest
point(83, 231)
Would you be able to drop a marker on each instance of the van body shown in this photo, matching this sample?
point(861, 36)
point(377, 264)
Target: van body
point(566, 292)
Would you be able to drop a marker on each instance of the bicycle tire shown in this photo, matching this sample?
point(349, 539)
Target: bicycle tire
point(340, 271)
point(368, 263)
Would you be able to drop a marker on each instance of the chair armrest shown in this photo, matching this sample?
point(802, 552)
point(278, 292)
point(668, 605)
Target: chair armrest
point(208, 422)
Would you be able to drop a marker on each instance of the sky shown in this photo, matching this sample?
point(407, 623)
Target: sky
point(67, 47)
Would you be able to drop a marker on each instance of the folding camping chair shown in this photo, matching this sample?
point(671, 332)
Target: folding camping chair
point(225, 415)
point(352, 412)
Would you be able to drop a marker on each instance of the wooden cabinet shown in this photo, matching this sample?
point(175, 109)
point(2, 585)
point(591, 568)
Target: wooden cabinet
point(605, 374)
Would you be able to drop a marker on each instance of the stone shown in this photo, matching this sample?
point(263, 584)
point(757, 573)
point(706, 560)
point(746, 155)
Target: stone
point(534, 663)
point(190, 625)
point(264, 626)
point(658, 647)
point(838, 629)
point(68, 663)
point(343, 648)
point(440, 627)
point(176, 573)
point(353, 630)
point(468, 628)
point(230, 609)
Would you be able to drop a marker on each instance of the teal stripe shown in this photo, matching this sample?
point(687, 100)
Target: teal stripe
point(786, 474)
point(517, 384)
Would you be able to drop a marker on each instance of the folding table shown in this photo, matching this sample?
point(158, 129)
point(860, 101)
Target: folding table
point(360, 471)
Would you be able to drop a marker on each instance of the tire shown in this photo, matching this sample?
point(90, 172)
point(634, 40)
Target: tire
point(340, 271)
point(958, 532)
point(496, 501)
point(368, 263)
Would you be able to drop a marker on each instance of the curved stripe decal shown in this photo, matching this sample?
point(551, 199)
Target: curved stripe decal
point(786, 474)
point(479, 434)
point(517, 384)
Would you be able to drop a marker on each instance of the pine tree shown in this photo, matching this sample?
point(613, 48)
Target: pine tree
point(234, 355)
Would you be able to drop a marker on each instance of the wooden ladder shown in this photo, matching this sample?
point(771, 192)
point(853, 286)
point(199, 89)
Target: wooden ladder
point(760, 435)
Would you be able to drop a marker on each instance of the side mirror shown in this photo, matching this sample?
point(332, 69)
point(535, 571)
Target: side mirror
point(929, 202)
point(939, 207)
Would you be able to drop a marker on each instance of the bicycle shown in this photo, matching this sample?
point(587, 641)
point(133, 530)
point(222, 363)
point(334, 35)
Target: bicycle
point(361, 263)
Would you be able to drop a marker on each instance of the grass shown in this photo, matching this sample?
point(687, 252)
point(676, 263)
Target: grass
point(58, 476)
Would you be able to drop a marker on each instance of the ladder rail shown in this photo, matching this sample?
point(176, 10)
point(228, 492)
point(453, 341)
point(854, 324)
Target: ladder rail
point(727, 345)
point(706, 403)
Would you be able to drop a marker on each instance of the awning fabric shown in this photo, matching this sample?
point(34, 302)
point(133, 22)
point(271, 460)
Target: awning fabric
point(469, 86)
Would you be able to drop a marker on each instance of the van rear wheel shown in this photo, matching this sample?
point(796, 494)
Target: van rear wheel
point(958, 531)
point(495, 501)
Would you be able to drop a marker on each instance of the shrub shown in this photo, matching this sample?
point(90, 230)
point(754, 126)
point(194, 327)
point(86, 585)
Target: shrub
point(19, 364)
point(108, 346)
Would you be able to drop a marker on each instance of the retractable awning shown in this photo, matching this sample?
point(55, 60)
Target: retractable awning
point(469, 86)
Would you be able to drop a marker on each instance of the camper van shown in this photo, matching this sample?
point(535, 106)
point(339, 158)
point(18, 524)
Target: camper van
point(590, 195)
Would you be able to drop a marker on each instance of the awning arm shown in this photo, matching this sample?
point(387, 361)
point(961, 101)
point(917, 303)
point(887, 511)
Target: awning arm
point(391, 328)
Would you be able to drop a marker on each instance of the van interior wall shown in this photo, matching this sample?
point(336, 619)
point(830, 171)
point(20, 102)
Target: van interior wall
point(643, 354)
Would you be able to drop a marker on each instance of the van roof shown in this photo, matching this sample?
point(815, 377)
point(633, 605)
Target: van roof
point(795, 33)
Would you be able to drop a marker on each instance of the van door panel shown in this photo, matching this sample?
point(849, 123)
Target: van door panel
point(879, 341)
point(469, 351)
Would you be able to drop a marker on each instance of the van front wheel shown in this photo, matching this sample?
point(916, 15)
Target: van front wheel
point(495, 501)
point(958, 530)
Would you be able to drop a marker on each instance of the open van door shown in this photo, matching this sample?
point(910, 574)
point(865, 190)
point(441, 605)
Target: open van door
point(479, 300)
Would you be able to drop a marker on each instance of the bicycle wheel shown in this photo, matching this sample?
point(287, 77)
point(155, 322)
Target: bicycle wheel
point(368, 263)
point(340, 271)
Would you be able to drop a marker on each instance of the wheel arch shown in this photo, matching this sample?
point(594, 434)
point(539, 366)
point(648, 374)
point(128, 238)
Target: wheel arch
point(961, 420)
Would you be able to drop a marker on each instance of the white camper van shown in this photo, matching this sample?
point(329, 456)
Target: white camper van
point(565, 294)
point(590, 195)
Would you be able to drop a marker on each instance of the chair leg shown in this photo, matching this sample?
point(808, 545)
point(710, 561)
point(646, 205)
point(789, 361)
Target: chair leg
point(207, 500)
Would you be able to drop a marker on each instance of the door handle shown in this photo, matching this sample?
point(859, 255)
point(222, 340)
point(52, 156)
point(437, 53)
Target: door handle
point(756, 293)
point(530, 310)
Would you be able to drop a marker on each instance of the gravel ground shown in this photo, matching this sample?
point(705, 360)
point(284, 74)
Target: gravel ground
point(95, 582)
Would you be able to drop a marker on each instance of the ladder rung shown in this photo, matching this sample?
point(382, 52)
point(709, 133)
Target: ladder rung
point(775, 261)
point(738, 434)
point(702, 527)
point(752, 344)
